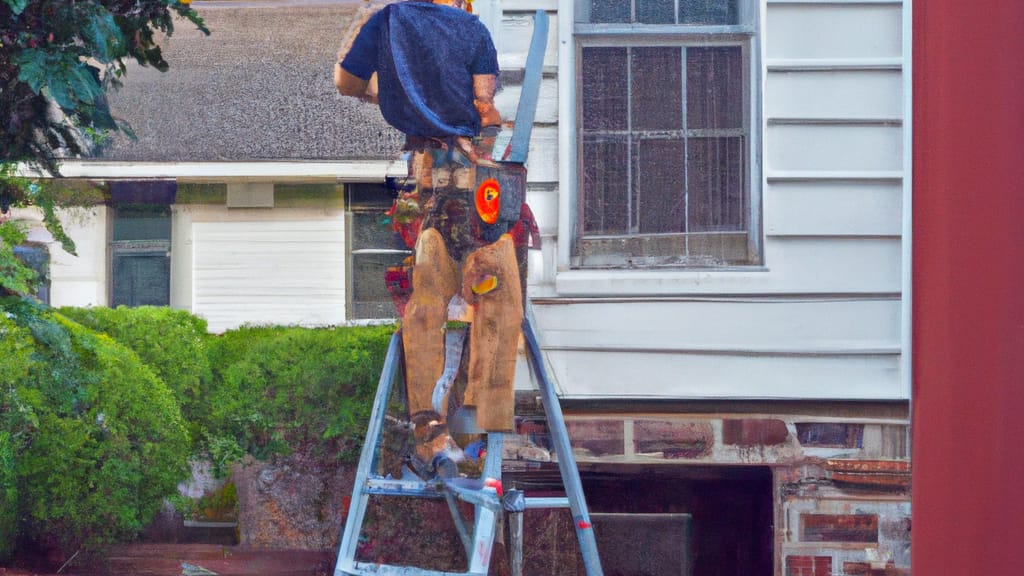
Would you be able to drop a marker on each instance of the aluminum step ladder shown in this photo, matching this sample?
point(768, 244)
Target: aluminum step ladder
point(488, 504)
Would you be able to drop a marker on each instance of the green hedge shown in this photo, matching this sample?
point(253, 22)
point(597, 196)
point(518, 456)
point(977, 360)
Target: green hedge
point(282, 388)
point(171, 342)
point(99, 440)
point(16, 347)
point(97, 406)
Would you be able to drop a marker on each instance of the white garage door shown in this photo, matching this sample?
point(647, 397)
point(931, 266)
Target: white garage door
point(279, 272)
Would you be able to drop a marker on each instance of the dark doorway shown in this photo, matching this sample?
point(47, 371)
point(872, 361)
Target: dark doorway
point(730, 506)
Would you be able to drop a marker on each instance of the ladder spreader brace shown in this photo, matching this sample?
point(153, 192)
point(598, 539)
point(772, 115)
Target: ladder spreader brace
point(486, 501)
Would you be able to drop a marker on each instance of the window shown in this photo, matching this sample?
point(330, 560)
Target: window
point(375, 248)
point(665, 127)
point(140, 255)
point(37, 257)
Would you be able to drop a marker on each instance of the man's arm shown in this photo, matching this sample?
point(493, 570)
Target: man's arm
point(484, 87)
point(349, 84)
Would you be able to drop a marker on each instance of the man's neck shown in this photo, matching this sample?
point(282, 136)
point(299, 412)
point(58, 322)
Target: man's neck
point(460, 4)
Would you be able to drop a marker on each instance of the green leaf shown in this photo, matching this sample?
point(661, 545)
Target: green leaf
point(60, 75)
point(103, 34)
point(17, 6)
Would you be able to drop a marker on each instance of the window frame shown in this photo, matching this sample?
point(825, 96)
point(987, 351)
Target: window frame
point(121, 249)
point(357, 206)
point(748, 38)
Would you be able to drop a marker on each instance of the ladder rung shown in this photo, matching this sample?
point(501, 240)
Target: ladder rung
point(535, 503)
point(367, 569)
point(390, 487)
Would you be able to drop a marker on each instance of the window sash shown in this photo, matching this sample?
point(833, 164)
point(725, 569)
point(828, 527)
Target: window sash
point(661, 12)
point(632, 245)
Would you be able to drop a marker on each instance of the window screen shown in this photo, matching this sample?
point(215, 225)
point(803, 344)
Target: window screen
point(664, 134)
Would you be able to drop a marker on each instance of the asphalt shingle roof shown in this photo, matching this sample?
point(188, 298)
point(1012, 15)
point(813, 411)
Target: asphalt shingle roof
point(258, 88)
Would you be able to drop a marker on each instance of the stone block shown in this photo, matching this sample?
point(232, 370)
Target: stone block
point(597, 437)
point(673, 438)
point(750, 432)
point(829, 434)
point(808, 566)
point(839, 528)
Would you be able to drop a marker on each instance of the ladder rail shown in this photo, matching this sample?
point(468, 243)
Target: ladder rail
point(368, 457)
point(563, 450)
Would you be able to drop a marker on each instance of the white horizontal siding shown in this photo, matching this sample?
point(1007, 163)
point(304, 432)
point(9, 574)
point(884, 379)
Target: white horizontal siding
point(543, 203)
point(821, 319)
point(795, 265)
point(833, 30)
point(269, 272)
point(738, 326)
point(516, 33)
point(834, 94)
point(833, 148)
point(543, 155)
point(833, 208)
point(507, 101)
point(638, 375)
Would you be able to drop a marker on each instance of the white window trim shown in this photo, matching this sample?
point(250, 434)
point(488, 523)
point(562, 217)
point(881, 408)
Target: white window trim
point(571, 281)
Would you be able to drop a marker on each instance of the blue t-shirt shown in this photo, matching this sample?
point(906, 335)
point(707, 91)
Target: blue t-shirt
point(425, 56)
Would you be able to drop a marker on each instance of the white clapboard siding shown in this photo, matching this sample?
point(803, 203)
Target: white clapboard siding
point(794, 265)
point(850, 148)
point(840, 31)
point(543, 202)
point(834, 94)
point(507, 101)
point(517, 32)
point(720, 325)
point(646, 375)
point(822, 318)
point(834, 208)
point(269, 272)
point(542, 161)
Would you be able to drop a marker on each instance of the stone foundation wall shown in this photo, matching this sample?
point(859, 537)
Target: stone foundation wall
point(840, 484)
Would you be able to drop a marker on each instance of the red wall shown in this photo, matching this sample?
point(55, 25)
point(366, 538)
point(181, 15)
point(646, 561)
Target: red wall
point(968, 293)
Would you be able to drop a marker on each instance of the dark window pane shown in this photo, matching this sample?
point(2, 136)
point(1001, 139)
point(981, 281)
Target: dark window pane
point(604, 93)
point(658, 182)
point(714, 82)
point(605, 187)
point(657, 89)
point(715, 176)
point(708, 12)
point(609, 10)
point(373, 229)
point(656, 11)
point(370, 296)
point(141, 279)
point(37, 257)
point(142, 222)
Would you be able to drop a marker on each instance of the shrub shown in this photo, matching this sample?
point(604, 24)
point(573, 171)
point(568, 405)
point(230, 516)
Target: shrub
point(294, 386)
point(106, 442)
point(15, 419)
point(171, 342)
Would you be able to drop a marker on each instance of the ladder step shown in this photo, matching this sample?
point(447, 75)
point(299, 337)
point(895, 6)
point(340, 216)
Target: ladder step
point(416, 488)
point(470, 490)
point(368, 569)
point(537, 503)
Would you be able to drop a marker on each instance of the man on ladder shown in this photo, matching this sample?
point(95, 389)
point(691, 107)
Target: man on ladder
point(432, 67)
